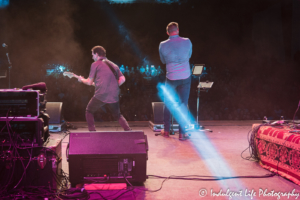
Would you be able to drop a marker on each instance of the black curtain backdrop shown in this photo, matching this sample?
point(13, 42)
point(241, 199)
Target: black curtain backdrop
point(251, 50)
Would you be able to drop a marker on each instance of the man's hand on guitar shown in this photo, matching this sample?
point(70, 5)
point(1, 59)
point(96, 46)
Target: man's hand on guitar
point(80, 79)
point(70, 75)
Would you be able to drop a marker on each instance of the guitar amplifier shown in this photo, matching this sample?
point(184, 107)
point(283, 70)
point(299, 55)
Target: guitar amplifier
point(21, 103)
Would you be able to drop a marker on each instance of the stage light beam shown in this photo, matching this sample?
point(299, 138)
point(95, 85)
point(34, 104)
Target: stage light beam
point(214, 161)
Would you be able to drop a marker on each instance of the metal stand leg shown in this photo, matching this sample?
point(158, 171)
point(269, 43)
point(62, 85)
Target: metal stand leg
point(9, 77)
point(9, 68)
point(172, 132)
point(198, 127)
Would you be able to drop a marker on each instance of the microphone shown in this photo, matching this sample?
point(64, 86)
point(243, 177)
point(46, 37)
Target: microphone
point(4, 45)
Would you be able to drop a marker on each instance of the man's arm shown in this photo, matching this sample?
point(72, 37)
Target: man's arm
point(191, 50)
point(121, 80)
point(88, 81)
point(161, 55)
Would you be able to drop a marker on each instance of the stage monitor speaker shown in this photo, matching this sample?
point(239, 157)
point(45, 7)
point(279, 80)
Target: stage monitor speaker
point(54, 110)
point(158, 112)
point(107, 157)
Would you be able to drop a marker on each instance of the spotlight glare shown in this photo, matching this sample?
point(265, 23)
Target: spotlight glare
point(4, 3)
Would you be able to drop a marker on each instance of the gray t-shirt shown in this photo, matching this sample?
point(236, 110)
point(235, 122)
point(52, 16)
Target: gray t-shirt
point(106, 85)
point(176, 53)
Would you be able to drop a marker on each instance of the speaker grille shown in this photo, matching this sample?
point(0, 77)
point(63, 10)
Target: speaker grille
point(95, 154)
point(99, 167)
point(158, 112)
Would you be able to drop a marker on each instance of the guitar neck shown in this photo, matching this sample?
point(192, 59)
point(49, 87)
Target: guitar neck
point(76, 76)
point(71, 75)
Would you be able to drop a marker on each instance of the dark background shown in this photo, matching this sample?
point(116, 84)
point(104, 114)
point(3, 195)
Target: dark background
point(251, 49)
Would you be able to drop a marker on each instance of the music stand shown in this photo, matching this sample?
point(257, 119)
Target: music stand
point(197, 71)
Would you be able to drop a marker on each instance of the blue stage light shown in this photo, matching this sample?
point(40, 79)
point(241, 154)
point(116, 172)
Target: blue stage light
point(179, 112)
point(122, 69)
point(121, 1)
point(4, 3)
point(56, 69)
point(125, 33)
point(167, 1)
point(61, 68)
point(140, 1)
point(142, 70)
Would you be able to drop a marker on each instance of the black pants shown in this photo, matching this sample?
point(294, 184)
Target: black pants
point(114, 108)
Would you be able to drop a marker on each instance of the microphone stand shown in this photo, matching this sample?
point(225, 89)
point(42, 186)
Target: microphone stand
point(9, 68)
point(198, 97)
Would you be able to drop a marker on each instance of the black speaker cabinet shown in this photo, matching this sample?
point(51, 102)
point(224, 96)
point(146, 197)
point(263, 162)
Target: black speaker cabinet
point(158, 112)
point(54, 110)
point(107, 157)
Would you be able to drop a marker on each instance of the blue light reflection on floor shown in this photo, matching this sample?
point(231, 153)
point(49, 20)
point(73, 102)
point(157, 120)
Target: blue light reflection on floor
point(213, 160)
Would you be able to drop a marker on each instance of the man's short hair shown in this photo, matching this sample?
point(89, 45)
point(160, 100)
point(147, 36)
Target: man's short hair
point(99, 50)
point(172, 26)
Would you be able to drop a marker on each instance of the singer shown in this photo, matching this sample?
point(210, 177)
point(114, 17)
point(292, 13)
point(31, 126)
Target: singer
point(176, 53)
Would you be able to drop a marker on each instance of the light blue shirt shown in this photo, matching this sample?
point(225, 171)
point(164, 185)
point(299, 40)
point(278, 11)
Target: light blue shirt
point(176, 53)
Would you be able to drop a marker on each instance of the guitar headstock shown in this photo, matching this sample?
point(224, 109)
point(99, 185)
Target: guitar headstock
point(69, 74)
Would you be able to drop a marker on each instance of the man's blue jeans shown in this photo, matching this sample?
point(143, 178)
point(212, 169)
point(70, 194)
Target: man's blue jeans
point(182, 90)
point(114, 108)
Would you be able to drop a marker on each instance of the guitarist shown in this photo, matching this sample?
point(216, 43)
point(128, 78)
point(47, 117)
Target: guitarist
point(107, 77)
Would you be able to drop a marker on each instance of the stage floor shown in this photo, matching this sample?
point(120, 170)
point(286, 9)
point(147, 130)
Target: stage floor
point(216, 153)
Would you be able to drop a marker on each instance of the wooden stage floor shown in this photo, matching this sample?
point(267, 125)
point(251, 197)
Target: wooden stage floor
point(216, 153)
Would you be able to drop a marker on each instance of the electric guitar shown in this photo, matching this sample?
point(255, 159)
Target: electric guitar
point(71, 75)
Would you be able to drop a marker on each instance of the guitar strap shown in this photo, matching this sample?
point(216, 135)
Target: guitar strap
point(111, 68)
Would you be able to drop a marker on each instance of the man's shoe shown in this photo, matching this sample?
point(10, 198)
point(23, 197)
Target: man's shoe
point(164, 133)
point(183, 136)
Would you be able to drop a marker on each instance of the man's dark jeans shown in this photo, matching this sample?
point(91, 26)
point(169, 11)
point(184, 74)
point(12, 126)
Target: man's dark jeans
point(182, 89)
point(114, 108)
